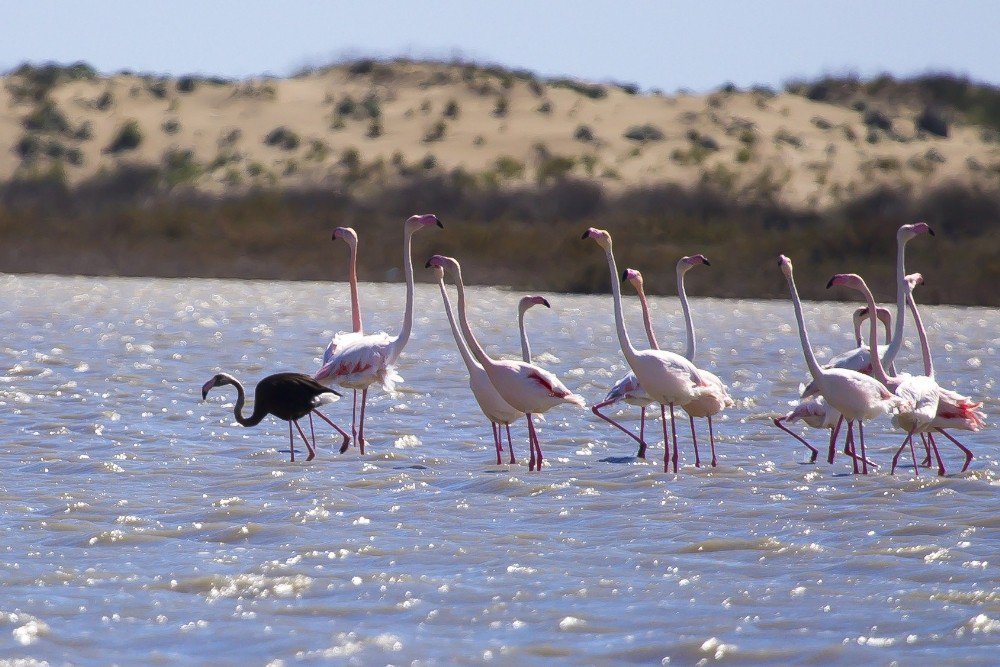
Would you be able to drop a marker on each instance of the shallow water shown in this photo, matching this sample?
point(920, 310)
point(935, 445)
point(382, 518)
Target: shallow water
point(142, 525)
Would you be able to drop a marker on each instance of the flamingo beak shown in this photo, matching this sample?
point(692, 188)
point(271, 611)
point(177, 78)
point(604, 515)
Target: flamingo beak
point(930, 231)
point(585, 234)
point(545, 302)
point(428, 264)
point(439, 224)
point(625, 274)
point(830, 284)
point(706, 262)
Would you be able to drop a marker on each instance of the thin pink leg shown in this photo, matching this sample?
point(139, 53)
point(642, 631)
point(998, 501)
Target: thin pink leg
point(536, 448)
point(342, 432)
point(312, 431)
point(642, 443)
point(361, 428)
point(864, 457)
point(291, 444)
point(850, 445)
point(711, 440)
point(510, 446)
point(666, 439)
point(833, 440)
point(937, 455)
point(496, 441)
point(309, 448)
point(966, 450)
point(913, 455)
point(642, 434)
point(673, 431)
point(927, 451)
point(531, 443)
point(694, 437)
point(354, 417)
point(895, 458)
point(779, 422)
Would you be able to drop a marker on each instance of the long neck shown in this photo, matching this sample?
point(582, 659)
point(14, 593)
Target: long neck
point(888, 332)
point(691, 348)
point(616, 291)
point(258, 412)
point(646, 319)
point(901, 290)
point(404, 332)
point(525, 348)
point(463, 348)
point(925, 347)
point(857, 331)
point(878, 371)
point(355, 301)
point(463, 319)
point(814, 368)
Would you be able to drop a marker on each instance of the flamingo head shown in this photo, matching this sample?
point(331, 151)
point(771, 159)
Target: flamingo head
point(529, 301)
point(216, 381)
point(914, 279)
point(907, 232)
point(786, 265)
point(347, 234)
point(685, 263)
point(851, 280)
point(438, 271)
point(446, 264)
point(883, 314)
point(415, 222)
point(602, 237)
point(633, 277)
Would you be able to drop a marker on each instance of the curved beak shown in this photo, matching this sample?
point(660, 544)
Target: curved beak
point(625, 274)
point(707, 263)
point(585, 234)
point(830, 284)
point(545, 302)
point(428, 264)
point(930, 231)
point(439, 223)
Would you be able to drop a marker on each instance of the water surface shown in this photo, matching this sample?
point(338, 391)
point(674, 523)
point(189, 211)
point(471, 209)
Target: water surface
point(140, 525)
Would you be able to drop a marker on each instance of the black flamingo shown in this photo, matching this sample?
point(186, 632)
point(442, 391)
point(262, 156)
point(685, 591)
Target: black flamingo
point(287, 396)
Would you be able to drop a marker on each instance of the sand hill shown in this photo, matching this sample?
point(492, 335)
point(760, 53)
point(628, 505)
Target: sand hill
point(371, 121)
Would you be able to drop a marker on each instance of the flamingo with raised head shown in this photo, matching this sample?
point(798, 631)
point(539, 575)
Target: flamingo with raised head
point(668, 378)
point(856, 396)
point(857, 358)
point(287, 396)
point(529, 388)
point(360, 362)
point(919, 391)
point(812, 409)
point(628, 389)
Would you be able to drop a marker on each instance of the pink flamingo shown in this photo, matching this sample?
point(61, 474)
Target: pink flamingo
point(812, 409)
point(921, 392)
point(856, 396)
point(628, 389)
point(954, 410)
point(857, 358)
point(667, 377)
point(362, 361)
point(527, 387)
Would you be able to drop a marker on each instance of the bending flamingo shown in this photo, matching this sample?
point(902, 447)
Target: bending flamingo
point(813, 410)
point(667, 377)
point(919, 391)
point(856, 396)
point(360, 362)
point(628, 389)
point(527, 387)
point(288, 396)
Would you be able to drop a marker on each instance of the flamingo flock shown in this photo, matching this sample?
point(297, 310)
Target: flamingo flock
point(857, 386)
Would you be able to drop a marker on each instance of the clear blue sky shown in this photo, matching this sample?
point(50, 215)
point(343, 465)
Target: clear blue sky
point(666, 45)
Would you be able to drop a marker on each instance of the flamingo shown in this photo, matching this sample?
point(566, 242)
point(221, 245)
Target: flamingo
point(920, 391)
point(856, 396)
point(628, 389)
point(667, 377)
point(527, 387)
point(813, 409)
point(954, 409)
point(710, 403)
point(857, 358)
point(361, 361)
point(288, 396)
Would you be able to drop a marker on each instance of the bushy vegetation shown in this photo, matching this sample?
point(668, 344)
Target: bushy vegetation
point(128, 137)
point(282, 137)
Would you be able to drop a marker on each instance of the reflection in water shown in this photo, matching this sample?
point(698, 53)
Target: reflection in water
point(140, 524)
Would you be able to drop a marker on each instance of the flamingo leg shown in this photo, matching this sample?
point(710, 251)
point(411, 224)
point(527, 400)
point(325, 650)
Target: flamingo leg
point(361, 429)
point(927, 449)
point(347, 438)
point(711, 440)
point(864, 457)
point(779, 422)
point(833, 440)
point(895, 458)
point(309, 447)
point(496, 441)
point(510, 446)
point(666, 439)
point(642, 434)
point(536, 449)
point(694, 437)
point(354, 416)
point(913, 455)
point(937, 455)
point(966, 450)
point(642, 443)
point(291, 444)
point(673, 431)
point(849, 445)
point(312, 431)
